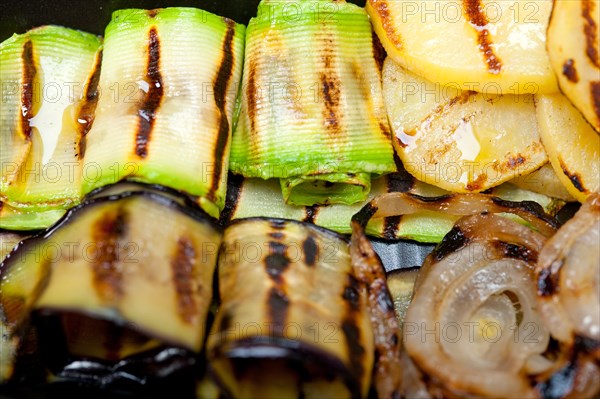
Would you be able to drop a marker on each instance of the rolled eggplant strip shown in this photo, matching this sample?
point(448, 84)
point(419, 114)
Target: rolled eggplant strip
point(253, 197)
point(49, 77)
point(473, 325)
point(292, 320)
point(103, 260)
point(169, 78)
point(312, 111)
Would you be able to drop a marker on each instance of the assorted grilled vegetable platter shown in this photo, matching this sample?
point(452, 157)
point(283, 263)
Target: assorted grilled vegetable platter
point(187, 202)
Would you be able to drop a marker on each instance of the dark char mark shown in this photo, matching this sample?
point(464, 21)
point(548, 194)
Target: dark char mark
point(183, 269)
point(574, 177)
point(391, 224)
point(29, 74)
point(87, 111)
point(355, 350)
point(363, 216)
point(153, 98)
point(108, 230)
point(453, 241)
point(311, 251)
point(570, 71)
point(548, 280)
point(530, 207)
point(586, 344)
point(220, 91)
point(351, 292)
point(310, 213)
point(235, 184)
point(589, 30)
point(516, 251)
point(479, 20)
point(276, 262)
point(595, 93)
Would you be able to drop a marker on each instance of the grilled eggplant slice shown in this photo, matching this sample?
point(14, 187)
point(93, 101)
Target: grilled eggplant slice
point(103, 260)
point(571, 143)
point(169, 81)
point(311, 111)
point(461, 141)
point(476, 44)
point(49, 77)
point(292, 321)
point(573, 34)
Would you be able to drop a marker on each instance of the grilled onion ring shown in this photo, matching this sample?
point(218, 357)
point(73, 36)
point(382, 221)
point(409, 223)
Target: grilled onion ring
point(472, 324)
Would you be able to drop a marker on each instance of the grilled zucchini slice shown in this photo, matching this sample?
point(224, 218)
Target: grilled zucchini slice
point(169, 81)
point(311, 111)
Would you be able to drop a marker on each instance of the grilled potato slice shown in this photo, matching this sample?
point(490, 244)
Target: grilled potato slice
point(480, 44)
point(571, 143)
point(460, 141)
point(573, 34)
point(543, 181)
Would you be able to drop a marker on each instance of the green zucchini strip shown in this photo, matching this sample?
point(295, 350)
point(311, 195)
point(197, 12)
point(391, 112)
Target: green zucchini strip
point(311, 110)
point(255, 197)
point(169, 81)
point(292, 322)
point(49, 88)
point(103, 260)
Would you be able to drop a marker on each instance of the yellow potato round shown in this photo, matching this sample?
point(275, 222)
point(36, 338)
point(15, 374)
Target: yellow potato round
point(574, 55)
point(571, 143)
point(478, 44)
point(458, 140)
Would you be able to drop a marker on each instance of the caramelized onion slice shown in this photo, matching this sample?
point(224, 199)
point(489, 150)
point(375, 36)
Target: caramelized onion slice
point(472, 325)
point(393, 204)
point(569, 280)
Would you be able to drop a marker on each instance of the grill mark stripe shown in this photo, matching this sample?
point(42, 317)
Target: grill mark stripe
point(330, 89)
point(153, 98)
point(278, 304)
point(310, 250)
point(235, 184)
point(479, 20)
point(221, 84)
point(87, 111)
point(569, 71)
point(589, 31)
point(391, 225)
point(595, 93)
point(108, 231)
point(29, 75)
point(183, 269)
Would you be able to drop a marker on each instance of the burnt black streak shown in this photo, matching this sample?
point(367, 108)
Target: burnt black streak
point(235, 184)
point(548, 279)
point(310, 213)
point(87, 111)
point(363, 216)
point(355, 350)
point(276, 262)
point(153, 98)
point(220, 91)
point(379, 52)
point(391, 225)
point(183, 275)
point(278, 224)
point(530, 207)
point(595, 93)
point(589, 30)
point(574, 177)
point(453, 241)
point(516, 251)
point(569, 70)
point(439, 198)
point(311, 251)
point(477, 18)
point(278, 304)
point(29, 74)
